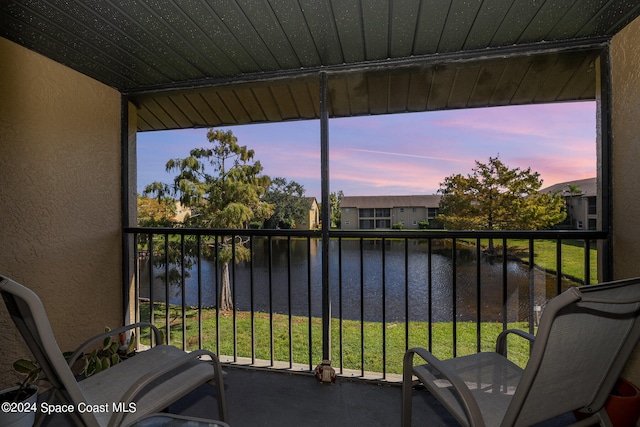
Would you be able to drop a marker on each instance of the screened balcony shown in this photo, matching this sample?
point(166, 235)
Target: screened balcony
point(78, 82)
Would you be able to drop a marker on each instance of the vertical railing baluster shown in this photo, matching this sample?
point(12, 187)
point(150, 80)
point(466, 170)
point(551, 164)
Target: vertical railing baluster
point(505, 291)
point(532, 295)
point(587, 262)
point(309, 308)
point(478, 296)
point(362, 354)
point(430, 291)
point(216, 251)
point(454, 292)
point(234, 314)
point(406, 293)
point(384, 310)
point(559, 265)
point(340, 306)
point(136, 284)
point(183, 293)
point(289, 300)
point(166, 289)
point(271, 339)
point(199, 260)
point(252, 311)
point(151, 291)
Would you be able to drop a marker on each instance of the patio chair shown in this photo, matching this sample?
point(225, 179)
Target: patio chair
point(150, 380)
point(584, 339)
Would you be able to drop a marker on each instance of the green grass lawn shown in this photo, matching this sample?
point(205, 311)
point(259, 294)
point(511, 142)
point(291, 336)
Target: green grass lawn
point(545, 256)
point(375, 351)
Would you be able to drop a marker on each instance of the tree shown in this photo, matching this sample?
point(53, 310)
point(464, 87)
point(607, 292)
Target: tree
point(334, 207)
point(495, 197)
point(155, 212)
point(289, 204)
point(223, 186)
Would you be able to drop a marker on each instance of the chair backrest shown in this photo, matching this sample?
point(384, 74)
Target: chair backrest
point(30, 317)
point(585, 337)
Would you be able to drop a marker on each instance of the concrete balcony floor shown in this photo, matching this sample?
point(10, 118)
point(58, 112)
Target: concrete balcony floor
point(274, 398)
point(268, 398)
point(265, 398)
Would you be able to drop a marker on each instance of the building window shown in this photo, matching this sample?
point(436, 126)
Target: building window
point(347, 222)
point(593, 208)
point(366, 213)
point(415, 222)
point(367, 223)
point(414, 209)
point(381, 213)
point(383, 223)
point(579, 225)
point(401, 209)
point(432, 212)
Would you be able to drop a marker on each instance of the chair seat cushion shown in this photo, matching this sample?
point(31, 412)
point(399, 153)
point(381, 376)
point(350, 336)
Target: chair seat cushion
point(491, 378)
point(107, 387)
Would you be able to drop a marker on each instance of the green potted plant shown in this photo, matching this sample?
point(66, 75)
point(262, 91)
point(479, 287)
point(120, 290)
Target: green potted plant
point(111, 353)
point(19, 403)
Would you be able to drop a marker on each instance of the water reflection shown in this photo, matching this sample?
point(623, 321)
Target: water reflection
point(363, 295)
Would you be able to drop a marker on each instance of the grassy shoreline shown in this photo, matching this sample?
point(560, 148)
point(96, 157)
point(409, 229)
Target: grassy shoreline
point(297, 349)
point(572, 266)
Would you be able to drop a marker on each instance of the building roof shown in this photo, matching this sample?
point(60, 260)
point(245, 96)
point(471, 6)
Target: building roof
point(219, 63)
point(586, 187)
point(372, 202)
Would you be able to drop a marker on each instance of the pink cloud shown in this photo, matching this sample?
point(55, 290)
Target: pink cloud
point(405, 153)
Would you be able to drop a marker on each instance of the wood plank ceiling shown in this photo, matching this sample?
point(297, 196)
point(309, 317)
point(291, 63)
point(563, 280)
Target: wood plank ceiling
point(197, 63)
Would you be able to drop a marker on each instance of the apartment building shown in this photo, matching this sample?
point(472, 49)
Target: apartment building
point(381, 212)
point(581, 203)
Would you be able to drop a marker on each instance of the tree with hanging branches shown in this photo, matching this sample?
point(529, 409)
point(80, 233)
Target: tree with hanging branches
point(223, 186)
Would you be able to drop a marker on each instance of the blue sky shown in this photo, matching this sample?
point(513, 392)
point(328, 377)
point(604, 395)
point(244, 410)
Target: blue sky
point(403, 154)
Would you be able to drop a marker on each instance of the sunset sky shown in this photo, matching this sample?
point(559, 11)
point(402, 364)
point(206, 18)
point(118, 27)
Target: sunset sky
point(403, 154)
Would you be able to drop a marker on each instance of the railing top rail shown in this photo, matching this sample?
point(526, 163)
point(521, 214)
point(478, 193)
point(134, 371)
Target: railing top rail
point(480, 234)
point(415, 234)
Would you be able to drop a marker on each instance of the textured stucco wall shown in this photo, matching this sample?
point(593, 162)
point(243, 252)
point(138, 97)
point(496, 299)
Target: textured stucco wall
point(60, 222)
point(625, 68)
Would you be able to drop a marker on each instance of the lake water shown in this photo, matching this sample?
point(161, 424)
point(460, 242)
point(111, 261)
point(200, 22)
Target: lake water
point(370, 286)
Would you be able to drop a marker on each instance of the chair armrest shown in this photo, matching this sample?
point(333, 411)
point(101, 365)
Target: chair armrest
point(80, 350)
point(167, 367)
point(501, 341)
point(468, 402)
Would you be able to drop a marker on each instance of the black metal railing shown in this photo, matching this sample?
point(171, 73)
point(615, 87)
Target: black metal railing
point(390, 290)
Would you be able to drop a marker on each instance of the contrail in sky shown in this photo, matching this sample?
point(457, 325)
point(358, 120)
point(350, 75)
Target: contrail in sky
point(408, 155)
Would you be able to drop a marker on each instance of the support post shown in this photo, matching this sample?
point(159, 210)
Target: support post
point(604, 165)
point(326, 220)
point(128, 171)
point(124, 194)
